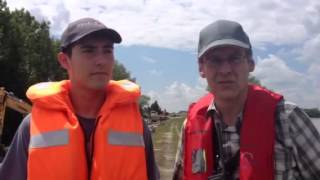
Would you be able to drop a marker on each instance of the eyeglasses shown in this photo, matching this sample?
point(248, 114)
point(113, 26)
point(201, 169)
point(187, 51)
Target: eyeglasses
point(233, 60)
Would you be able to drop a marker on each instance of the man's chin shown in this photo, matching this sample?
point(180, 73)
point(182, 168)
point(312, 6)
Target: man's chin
point(226, 94)
point(99, 86)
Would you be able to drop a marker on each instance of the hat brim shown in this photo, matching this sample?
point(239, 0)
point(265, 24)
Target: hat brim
point(223, 42)
point(110, 33)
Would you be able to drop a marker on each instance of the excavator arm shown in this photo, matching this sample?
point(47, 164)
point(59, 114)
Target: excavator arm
point(9, 100)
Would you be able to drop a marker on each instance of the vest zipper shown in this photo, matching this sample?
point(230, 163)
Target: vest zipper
point(91, 144)
point(85, 148)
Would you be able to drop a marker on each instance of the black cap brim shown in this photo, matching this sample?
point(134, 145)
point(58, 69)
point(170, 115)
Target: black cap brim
point(111, 34)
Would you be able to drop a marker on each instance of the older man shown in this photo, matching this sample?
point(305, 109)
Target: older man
point(239, 130)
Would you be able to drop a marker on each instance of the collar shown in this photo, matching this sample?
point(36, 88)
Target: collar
point(218, 119)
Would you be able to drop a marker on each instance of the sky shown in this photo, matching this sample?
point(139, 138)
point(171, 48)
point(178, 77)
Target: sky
point(160, 40)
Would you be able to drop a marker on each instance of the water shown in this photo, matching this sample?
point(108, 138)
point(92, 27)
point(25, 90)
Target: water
point(316, 122)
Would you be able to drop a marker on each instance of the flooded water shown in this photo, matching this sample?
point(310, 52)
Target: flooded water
point(316, 122)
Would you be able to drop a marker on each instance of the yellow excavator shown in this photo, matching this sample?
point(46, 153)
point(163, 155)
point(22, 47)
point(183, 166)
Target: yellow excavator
point(9, 100)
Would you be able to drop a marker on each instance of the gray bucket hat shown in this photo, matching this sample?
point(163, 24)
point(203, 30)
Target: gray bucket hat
point(220, 33)
point(83, 27)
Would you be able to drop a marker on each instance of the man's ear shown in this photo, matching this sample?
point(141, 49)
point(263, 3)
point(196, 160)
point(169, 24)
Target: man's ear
point(201, 67)
point(202, 74)
point(251, 65)
point(63, 60)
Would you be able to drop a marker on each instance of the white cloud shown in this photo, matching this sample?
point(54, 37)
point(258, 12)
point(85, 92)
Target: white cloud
point(311, 50)
point(303, 89)
point(314, 71)
point(175, 24)
point(61, 18)
point(270, 69)
point(149, 60)
point(309, 54)
point(155, 72)
point(178, 96)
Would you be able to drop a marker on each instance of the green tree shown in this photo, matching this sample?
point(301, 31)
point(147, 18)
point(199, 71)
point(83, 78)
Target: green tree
point(254, 80)
point(144, 101)
point(313, 112)
point(27, 56)
point(144, 105)
point(120, 72)
point(155, 107)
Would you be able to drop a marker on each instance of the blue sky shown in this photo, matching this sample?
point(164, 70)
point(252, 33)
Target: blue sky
point(160, 41)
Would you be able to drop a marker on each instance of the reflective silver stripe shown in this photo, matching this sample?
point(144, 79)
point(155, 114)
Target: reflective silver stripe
point(124, 138)
point(52, 138)
point(199, 161)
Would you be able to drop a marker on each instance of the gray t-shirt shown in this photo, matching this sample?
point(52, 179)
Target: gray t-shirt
point(14, 165)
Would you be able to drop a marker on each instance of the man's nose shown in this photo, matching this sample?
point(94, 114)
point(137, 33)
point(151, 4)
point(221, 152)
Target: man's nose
point(101, 58)
point(225, 66)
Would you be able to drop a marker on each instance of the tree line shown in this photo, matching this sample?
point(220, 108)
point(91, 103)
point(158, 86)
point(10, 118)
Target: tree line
point(313, 112)
point(28, 56)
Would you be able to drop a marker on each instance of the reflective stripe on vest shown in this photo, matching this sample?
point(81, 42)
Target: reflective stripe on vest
point(124, 138)
point(48, 139)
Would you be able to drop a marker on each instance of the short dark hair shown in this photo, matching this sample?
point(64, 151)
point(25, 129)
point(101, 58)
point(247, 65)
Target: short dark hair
point(249, 55)
point(68, 50)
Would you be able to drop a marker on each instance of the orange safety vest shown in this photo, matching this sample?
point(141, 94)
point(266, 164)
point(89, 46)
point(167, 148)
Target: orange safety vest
point(256, 138)
point(57, 146)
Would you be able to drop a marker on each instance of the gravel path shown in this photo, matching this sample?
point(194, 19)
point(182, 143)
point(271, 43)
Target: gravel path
point(165, 147)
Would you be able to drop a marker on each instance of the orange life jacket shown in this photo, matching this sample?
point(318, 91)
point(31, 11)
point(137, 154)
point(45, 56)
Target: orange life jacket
point(57, 145)
point(256, 138)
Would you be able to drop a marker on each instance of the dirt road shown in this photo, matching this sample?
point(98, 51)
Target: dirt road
point(165, 146)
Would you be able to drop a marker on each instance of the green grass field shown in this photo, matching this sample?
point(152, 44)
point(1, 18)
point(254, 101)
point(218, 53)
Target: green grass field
point(165, 141)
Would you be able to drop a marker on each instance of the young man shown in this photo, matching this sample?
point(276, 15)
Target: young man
point(239, 130)
point(87, 127)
